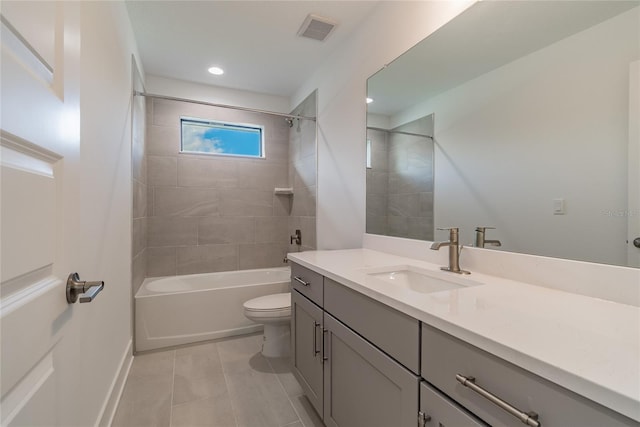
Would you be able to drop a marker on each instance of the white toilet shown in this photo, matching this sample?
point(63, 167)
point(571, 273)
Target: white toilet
point(274, 312)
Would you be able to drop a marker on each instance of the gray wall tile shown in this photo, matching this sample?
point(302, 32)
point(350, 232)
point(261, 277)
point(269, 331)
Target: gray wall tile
point(163, 140)
point(304, 172)
point(205, 210)
point(138, 270)
point(139, 237)
point(278, 150)
point(207, 259)
point(376, 224)
point(172, 231)
point(271, 229)
point(226, 230)
point(282, 205)
point(161, 262)
point(263, 255)
point(162, 170)
point(258, 175)
point(304, 202)
point(149, 199)
point(246, 203)
point(169, 201)
point(213, 172)
point(139, 208)
point(139, 199)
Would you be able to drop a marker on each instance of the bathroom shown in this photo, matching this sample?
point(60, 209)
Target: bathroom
point(116, 202)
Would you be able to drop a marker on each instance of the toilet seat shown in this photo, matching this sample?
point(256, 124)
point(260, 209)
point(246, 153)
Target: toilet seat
point(275, 305)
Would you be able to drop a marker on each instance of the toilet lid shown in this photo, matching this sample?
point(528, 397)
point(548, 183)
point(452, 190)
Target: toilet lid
point(269, 302)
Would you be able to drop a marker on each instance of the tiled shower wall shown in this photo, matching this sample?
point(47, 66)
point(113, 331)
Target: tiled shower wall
point(302, 175)
point(139, 186)
point(213, 213)
point(378, 183)
point(400, 181)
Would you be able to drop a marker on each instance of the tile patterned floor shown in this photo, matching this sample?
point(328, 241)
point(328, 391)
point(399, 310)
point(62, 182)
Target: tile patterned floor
point(225, 383)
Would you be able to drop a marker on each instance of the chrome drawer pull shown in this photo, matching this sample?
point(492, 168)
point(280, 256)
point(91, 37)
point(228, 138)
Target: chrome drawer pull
point(301, 281)
point(528, 418)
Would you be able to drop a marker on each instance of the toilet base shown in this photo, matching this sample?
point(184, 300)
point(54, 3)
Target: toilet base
point(276, 340)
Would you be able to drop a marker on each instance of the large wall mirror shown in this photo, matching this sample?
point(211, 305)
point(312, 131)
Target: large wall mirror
point(518, 115)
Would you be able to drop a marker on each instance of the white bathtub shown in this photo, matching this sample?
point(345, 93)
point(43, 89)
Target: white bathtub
point(184, 309)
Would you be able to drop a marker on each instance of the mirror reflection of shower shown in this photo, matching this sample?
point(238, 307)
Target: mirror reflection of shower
point(400, 180)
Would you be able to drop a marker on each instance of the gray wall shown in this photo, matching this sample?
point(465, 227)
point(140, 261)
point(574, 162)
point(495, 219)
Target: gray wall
point(214, 213)
point(302, 175)
point(400, 181)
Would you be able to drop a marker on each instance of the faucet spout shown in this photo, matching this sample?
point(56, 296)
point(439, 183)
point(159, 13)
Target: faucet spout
point(437, 245)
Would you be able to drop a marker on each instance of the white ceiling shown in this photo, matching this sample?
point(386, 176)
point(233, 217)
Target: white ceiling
point(255, 42)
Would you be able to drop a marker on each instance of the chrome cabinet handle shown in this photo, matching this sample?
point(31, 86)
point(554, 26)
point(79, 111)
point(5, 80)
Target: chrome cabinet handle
point(636, 242)
point(87, 291)
point(301, 281)
point(528, 418)
point(324, 334)
point(315, 339)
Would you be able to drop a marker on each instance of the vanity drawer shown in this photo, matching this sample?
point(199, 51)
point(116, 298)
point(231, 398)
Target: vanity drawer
point(444, 357)
point(307, 282)
point(439, 410)
point(393, 332)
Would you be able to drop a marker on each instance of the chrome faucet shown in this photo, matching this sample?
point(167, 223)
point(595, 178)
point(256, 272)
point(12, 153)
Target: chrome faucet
point(480, 240)
point(454, 251)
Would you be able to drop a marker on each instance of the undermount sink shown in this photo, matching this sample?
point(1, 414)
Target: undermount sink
point(420, 280)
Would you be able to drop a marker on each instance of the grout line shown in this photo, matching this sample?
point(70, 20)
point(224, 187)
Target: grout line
point(173, 383)
point(226, 383)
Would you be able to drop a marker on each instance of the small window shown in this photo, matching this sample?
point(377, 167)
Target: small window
point(228, 139)
point(368, 154)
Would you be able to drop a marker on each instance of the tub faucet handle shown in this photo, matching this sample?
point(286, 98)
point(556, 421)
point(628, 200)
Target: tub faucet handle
point(296, 238)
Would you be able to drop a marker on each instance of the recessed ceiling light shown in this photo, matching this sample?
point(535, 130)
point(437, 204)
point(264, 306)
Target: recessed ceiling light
point(216, 71)
point(369, 100)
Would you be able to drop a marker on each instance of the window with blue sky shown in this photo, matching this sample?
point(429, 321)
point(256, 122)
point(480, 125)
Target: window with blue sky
point(231, 139)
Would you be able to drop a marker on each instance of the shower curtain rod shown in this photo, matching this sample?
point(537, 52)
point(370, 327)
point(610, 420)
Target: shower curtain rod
point(400, 132)
point(210, 104)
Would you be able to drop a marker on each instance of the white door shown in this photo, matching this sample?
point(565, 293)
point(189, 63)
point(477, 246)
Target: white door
point(633, 214)
point(39, 212)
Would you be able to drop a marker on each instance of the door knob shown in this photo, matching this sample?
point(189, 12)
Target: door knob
point(636, 242)
point(87, 291)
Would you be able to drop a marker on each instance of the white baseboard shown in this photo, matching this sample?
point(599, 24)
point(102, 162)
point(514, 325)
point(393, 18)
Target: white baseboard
point(117, 386)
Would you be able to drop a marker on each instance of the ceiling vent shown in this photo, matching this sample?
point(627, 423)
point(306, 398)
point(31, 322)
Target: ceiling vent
point(316, 27)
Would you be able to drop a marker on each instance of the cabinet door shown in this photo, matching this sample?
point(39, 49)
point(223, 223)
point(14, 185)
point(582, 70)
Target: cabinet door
point(362, 385)
point(306, 347)
point(440, 411)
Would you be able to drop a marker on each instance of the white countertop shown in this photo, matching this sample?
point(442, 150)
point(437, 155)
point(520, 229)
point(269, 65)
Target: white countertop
point(588, 345)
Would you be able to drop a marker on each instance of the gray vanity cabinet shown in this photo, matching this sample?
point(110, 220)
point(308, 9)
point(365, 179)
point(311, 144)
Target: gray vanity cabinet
point(362, 385)
point(306, 347)
point(449, 363)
